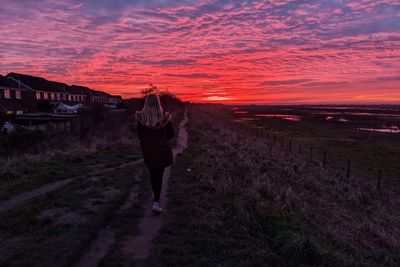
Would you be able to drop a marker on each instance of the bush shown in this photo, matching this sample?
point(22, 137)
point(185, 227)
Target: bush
point(44, 106)
point(21, 141)
point(2, 120)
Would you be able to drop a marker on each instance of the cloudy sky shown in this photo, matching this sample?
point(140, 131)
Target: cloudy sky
point(326, 51)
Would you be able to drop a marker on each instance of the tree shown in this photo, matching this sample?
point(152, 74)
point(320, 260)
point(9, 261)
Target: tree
point(150, 90)
point(169, 100)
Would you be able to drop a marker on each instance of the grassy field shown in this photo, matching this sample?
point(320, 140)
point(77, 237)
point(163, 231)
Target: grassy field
point(235, 201)
point(28, 172)
point(57, 228)
point(368, 151)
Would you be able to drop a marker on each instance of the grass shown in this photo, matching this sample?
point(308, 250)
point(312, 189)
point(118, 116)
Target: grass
point(28, 172)
point(125, 225)
point(55, 229)
point(242, 204)
point(234, 200)
point(368, 151)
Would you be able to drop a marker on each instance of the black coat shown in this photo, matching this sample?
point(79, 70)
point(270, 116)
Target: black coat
point(155, 143)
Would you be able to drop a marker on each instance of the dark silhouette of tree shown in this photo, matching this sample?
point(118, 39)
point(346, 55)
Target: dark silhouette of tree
point(169, 100)
point(150, 90)
point(2, 120)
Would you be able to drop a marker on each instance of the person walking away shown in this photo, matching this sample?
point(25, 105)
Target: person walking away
point(154, 129)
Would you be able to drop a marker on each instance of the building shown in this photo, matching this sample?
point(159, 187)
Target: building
point(48, 90)
point(96, 97)
point(14, 98)
point(57, 92)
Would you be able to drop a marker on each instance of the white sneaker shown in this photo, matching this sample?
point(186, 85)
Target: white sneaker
point(156, 207)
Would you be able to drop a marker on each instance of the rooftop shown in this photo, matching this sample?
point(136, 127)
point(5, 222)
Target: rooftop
point(7, 82)
point(41, 84)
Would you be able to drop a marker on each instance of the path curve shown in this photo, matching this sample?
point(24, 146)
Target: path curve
point(138, 247)
point(50, 187)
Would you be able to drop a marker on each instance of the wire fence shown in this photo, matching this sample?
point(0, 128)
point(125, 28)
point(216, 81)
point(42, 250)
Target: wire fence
point(350, 168)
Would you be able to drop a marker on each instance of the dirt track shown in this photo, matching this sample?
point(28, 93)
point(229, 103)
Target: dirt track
point(136, 248)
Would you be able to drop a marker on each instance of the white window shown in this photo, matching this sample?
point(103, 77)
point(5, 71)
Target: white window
point(18, 94)
point(19, 112)
point(38, 95)
point(46, 95)
point(9, 112)
point(7, 93)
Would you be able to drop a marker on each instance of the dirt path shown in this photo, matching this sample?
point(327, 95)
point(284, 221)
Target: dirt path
point(138, 247)
point(105, 237)
point(49, 187)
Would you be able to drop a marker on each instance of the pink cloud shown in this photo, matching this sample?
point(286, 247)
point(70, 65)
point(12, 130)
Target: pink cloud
point(229, 51)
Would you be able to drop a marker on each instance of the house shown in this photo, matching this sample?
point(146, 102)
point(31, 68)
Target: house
point(57, 92)
point(48, 90)
point(20, 95)
point(14, 99)
point(97, 97)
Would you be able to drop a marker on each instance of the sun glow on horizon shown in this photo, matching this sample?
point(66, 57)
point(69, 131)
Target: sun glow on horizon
point(211, 51)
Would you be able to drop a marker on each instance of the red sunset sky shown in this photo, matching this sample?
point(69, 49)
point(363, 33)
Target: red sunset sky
point(328, 51)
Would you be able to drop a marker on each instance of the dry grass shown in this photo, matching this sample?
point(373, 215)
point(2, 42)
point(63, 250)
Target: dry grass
point(310, 215)
point(351, 213)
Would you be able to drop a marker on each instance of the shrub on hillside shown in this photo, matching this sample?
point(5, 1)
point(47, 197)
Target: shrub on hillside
point(21, 141)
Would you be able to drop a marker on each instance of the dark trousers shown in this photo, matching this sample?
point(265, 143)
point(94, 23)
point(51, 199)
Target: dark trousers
point(156, 182)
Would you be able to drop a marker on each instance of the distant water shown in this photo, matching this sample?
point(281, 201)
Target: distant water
point(281, 116)
point(341, 115)
point(393, 129)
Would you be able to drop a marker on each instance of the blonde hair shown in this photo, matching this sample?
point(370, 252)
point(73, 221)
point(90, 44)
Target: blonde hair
point(152, 112)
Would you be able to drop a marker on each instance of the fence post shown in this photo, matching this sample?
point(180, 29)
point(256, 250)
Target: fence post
point(348, 168)
point(378, 186)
